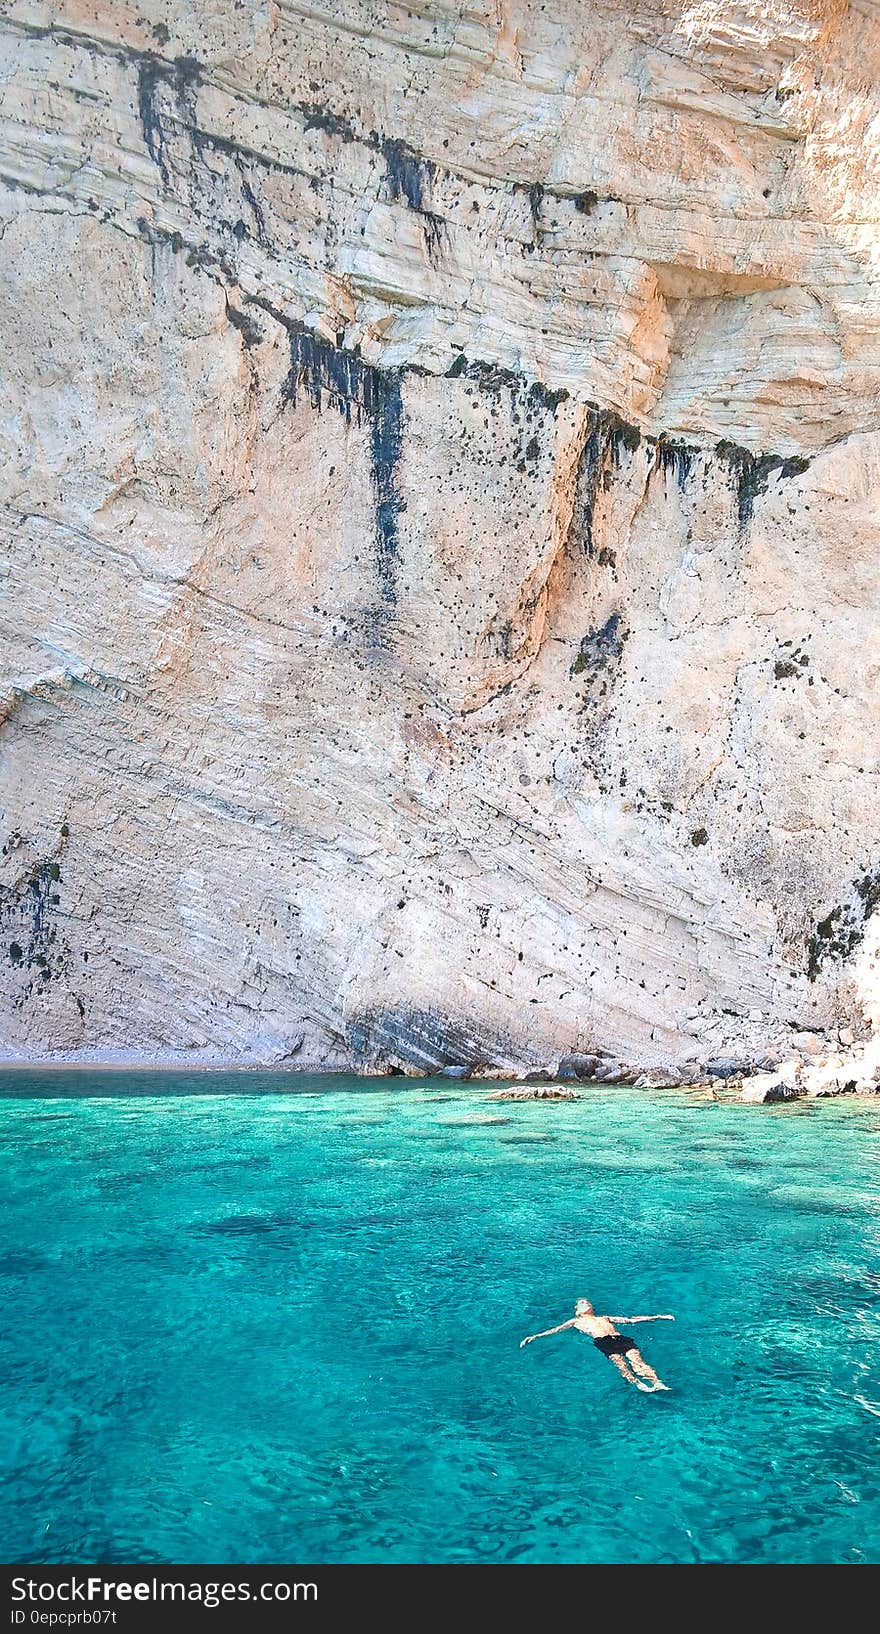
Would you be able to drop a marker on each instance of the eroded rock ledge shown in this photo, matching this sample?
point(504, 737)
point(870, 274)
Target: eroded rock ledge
point(440, 516)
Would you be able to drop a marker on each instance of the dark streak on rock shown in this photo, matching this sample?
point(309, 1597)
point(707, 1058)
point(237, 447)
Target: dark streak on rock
point(150, 74)
point(614, 433)
point(601, 650)
point(609, 439)
point(494, 379)
point(256, 207)
point(238, 152)
point(319, 118)
point(406, 173)
point(589, 472)
point(197, 255)
point(751, 473)
point(410, 177)
point(250, 332)
point(434, 229)
point(675, 460)
point(316, 116)
point(182, 76)
point(385, 441)
point(358, 390)
point(26, 909)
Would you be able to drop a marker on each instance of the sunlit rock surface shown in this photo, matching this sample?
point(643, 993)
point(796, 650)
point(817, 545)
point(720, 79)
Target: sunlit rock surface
point(440, 470)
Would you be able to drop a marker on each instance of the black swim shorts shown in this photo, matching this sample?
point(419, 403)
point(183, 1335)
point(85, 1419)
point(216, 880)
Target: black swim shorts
point(615, 1344)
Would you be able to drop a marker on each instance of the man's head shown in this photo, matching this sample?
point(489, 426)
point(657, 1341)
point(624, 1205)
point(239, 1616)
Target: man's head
point(583, 1308)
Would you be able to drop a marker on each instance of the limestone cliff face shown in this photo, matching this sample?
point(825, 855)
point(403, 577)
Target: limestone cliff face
point(440, 469)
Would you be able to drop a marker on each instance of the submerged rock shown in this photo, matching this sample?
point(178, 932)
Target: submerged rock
point(536, 1092)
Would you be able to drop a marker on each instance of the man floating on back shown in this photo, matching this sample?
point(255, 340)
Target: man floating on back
point(618, 1347)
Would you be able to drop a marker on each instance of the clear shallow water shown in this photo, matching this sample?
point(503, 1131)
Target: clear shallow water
point(267, 1326)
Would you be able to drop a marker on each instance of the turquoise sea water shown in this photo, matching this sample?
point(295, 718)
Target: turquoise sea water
point(247, 1325)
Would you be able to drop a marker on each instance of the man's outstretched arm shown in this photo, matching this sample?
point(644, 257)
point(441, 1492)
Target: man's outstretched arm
point(664, 1317)
point(546, 1334)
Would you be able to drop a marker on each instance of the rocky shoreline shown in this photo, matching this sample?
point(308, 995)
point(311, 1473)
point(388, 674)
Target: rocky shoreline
point(817, 1073)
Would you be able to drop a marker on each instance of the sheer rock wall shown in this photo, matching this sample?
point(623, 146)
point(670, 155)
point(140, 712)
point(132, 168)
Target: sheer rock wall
point(440, 478)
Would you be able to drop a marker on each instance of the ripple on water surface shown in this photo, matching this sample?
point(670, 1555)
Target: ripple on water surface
point(252, 1318)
